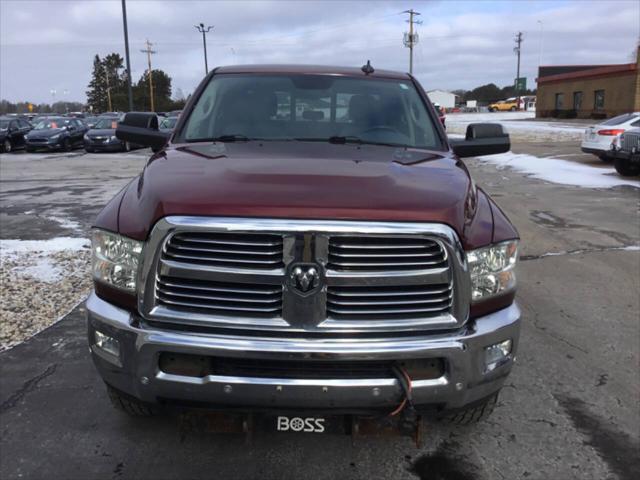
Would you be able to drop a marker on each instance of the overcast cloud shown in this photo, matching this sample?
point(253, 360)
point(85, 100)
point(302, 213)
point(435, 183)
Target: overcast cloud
point(47, 45)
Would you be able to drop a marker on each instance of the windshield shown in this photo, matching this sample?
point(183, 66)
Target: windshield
point(620, 119)
point(4, 124)
point(311, 108)
point(169, 122)
point(52, 123)
point(106, 124)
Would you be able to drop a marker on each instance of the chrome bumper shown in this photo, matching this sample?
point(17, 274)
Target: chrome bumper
point(135, 371)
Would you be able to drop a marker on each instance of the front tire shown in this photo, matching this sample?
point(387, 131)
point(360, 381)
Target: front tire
point(472, 414)
point(7, 147)
point(66, 145)
point(129, 405)
point(625, 168)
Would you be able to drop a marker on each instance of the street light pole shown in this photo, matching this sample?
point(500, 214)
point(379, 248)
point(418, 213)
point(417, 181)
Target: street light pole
point(126, 53)
point(201, 28)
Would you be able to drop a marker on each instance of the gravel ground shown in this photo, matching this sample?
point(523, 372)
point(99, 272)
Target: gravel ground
point(39, 288)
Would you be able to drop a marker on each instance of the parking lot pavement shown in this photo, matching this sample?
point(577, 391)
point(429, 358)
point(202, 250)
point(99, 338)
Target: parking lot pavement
point(568, 411)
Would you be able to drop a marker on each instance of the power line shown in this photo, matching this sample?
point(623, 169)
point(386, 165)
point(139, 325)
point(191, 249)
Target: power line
point(150, 52)
point(411, 38)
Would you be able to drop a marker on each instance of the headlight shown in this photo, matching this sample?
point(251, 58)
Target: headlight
point(86, 137)
point(492, 269)
point(114, 138)
point(54, 137)
point(115, 259)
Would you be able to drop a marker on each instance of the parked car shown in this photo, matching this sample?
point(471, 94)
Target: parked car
point(626, 152)
point(102, 137)
point(510, 104)
point(56, 133)
point(597, 139)
point(280, 264)
point(12, 133)
point(168, 124)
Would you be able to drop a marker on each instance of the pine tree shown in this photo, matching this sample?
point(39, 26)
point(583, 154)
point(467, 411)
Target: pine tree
point(97, 89)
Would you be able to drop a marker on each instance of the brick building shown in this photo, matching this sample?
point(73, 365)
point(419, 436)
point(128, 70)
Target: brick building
point(588, 91)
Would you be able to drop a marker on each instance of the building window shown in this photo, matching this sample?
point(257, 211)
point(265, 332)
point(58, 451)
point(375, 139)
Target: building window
point(598, 100)
point(559, 101)
point(577, 100)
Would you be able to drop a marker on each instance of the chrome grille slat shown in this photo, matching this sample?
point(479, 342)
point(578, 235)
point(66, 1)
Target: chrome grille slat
point(220, 307)
point(379, 302)
point(207, 296)
point(212, 259)
point(384, 253)
point(209, 287)
point(223, 250)
point(215, 298)
point(241, 250)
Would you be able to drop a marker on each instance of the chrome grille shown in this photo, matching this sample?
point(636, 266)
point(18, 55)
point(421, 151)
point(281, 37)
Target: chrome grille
point(385, 253)
point(234, 250)
point(383, 302)
point(630, 141)
point(225, 298)
point(237, 274)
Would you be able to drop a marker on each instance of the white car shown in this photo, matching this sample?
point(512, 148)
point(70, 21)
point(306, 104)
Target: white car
point(598, 138)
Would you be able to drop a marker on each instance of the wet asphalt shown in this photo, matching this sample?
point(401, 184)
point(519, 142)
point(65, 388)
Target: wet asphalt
point(569, 410)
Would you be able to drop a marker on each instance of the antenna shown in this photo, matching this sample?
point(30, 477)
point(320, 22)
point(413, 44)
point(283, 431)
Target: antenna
point(367, 69)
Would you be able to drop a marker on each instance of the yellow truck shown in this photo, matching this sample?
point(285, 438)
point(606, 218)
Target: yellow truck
point(510, 104)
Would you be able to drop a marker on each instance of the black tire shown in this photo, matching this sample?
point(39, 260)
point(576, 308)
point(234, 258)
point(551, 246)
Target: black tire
point(492, 110)
point(7, 147)
point(604, 157)
point(131, 406)
point(513, 109)
point(66, 145)
point(472, 414)
point(89, 150)
point(625, 168)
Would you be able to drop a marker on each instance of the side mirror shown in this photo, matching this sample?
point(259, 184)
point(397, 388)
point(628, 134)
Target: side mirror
point(482, 139)
point(141, 128)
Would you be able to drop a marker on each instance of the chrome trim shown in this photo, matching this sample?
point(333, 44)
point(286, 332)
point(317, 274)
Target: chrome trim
point(462, 351)
point(456, 272)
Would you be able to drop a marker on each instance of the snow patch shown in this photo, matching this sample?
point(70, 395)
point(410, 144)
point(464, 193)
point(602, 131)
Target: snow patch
point(560, 171)
point(10, 249)
point(66, 223)
point(43, 270)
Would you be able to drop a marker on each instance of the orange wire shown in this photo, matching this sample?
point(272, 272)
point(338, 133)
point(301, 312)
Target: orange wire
point(404, 401)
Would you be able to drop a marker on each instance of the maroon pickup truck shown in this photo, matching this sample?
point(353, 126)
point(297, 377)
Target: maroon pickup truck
point(306, 245)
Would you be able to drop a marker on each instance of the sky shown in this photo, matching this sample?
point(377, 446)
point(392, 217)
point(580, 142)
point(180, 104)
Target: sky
point(50, 45)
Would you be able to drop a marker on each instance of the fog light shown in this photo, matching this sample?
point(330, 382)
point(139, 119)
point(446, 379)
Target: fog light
point(495, 354)
point(107, 344)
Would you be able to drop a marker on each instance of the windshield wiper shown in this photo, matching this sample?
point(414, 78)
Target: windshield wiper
point(232, 138)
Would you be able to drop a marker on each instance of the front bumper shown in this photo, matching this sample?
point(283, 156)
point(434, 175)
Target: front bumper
point(136, 370)
point(103, 147)
point(50, 146)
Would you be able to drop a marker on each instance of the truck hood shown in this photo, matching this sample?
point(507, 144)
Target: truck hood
point(299, 180)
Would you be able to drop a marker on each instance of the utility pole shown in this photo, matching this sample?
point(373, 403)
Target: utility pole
point(411, 38)
point(201, 28)
point(149, 52)
point(126, 53)
point(517, 51)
